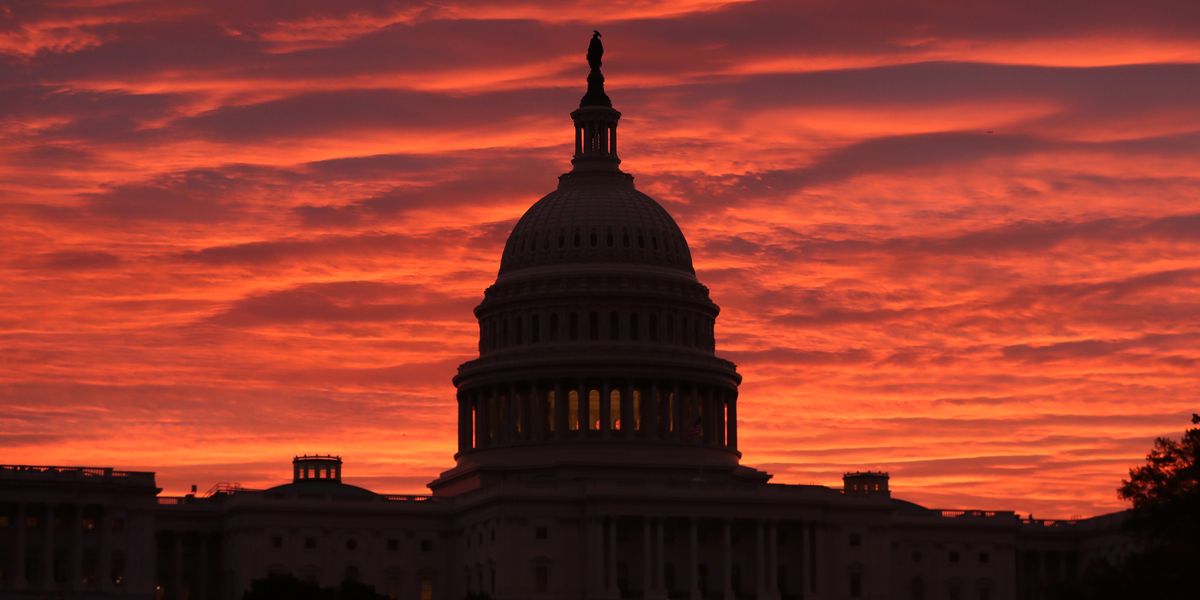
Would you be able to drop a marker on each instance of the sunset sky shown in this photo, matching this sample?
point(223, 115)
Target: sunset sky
point(957, 241)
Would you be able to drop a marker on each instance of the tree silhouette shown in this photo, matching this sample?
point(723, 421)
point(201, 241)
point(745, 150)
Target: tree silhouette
point(1165, 525)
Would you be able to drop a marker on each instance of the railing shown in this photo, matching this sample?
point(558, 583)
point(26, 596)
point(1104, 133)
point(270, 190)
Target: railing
point(407, 498)
point(985, 514)
point(84, 473)
point(223, 487)
point(1049, 522)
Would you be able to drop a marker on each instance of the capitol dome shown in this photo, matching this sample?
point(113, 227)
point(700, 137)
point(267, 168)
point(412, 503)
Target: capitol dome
point(594, 220)
point(597, 347)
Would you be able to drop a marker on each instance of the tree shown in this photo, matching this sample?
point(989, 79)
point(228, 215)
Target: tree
point(1164, 523)
point(1166, 490)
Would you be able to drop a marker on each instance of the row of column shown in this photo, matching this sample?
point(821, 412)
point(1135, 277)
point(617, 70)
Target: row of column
point(608, 409)
point(185, 565)
point(603, 565)
point(44, 576)
point(595, 137)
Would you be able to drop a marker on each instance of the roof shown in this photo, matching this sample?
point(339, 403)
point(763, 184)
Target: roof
point(600, 218)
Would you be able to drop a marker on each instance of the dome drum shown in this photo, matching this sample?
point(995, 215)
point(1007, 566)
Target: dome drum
point(598, 409)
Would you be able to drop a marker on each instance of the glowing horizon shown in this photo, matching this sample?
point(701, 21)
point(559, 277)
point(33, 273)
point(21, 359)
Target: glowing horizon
point(957, 243)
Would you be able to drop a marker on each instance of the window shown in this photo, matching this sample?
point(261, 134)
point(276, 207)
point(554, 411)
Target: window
point(916, 555)
point(393, 544)
point(541, 579)
point(614, 326)
point(985, 592)
point(855, 540)
point(594, 326)
point(310, 543)
point(426, 589)
point(554, 326)
point(983, 557)
point(426, 545)
point(954, 556)
point(633, 327)
point(573, 326)
point(856, 585)
point(351, 544)
point(535, 329)
point(518, 329)
point(541, 533)
point(277, 541)
point(653, 328)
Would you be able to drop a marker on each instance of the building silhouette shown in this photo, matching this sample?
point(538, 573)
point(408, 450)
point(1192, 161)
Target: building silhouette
point(597, 459)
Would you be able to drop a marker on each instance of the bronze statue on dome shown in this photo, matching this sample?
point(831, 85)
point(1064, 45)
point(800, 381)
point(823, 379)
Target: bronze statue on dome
point(595, 51)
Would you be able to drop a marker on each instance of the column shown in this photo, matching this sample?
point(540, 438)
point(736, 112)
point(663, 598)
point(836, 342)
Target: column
point(19, 549)
point(537, 412)
point(104, 556)
point(48, 549)
point(647, 561)
point(693, 561)
point(605, 410)
point(760, 560)
point(594, 556)
point(627, 418)
point(719, 417)
point(464, 422)
point(660, 561)
point(202, 574)
point(712, 436)
point(611, 586)
point(680, 428)
point(727, 560)
point(560, 410)
point(650, 410)
point(483, 421)
point(773, 558)
point(514, 429)
point(585, 410)
point(731, 434)
point(812, 557)
point(176, 590)
point(75, 567)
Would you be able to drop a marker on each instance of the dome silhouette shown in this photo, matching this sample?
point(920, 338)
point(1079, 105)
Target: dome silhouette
point(596, 219)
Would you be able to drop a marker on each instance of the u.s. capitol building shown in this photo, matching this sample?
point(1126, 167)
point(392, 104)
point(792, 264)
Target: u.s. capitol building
point(597, 459)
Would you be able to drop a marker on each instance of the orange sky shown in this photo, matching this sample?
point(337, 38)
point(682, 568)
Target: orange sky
point(956, 241)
